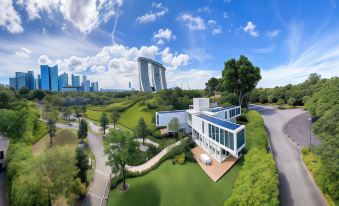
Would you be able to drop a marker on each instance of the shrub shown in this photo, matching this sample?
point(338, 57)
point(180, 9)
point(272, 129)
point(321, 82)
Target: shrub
point(180, 159)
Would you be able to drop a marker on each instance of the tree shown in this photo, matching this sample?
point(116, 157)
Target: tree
point(115, 117)
point(270, 98)
point(174, 126)
point(82, 164)
point(83, 130)
point(23, 91)
point(280, 102)
point(36, 94)
point(291, 101)
point(104, 121)
point(66, 113)
point(212, 85)
point(142, 129)
point(240, 77)
point(83, 110)
point(77, 112)
point(51, 130)
point(122, 149)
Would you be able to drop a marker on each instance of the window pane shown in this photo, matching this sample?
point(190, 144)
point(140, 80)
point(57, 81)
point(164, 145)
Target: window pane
point(217, 135)
point(227, 141)
point(240, 138)
point(222, 136)
point(213, 132)
point(231, 136)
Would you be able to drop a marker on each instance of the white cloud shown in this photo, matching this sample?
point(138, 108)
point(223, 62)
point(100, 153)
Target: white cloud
point(250, 29)
point(84, 15)
point(273, 33)
point(216, 29)
point(193, 23)
point(205, 9)
point(321, 57)
point(9, 18)
point(174, 60)
point(24, 52)
point(184, 78)
point(264, 50)
point(152, 16)
point(43, 59)
point(163, 35)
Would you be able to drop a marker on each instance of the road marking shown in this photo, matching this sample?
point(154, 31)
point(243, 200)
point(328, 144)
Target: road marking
point(98, 171)
point(95, 195)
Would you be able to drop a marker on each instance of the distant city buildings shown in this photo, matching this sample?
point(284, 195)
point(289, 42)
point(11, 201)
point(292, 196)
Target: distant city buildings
point(152, 75)
point(49, 80)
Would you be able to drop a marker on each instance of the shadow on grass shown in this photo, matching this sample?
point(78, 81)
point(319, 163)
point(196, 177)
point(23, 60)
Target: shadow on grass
point(142, 194)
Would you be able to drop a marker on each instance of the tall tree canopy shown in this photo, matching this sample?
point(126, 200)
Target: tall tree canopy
point(115, 117)
point(240, 77)
point(83, 130)
point(142, 129)
point(104, 121)
point(121, 149)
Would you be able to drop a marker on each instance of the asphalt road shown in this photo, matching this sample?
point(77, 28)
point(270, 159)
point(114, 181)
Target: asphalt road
point(298, 129)
point(296, 185)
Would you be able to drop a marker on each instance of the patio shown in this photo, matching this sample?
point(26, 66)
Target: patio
point(216, 170)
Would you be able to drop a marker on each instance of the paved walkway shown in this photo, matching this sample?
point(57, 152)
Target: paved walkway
point(150, 163)
point(297, 187)
point(148, 141)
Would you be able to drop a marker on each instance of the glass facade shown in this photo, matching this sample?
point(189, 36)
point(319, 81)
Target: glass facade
point(30, 79)
point(63, 81)
point(75, 81)
point(240, 139)
point(54, 78)
point(45, 80)
point(222, 136)
point(234, 112)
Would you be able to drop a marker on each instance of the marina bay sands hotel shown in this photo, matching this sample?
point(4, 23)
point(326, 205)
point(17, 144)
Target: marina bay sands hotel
point(152, 75)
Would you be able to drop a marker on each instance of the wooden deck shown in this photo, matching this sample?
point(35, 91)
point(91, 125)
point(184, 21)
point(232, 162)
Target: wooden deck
point(216, 170)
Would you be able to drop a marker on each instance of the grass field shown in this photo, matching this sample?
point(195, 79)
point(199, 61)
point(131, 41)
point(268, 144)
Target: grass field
point(176, 185)
point(131, 116)
point(62, 137)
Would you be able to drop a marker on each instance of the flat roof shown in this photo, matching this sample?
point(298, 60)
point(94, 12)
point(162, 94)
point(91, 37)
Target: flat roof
point(173, 111)
point(218, 109)
point(219, 122)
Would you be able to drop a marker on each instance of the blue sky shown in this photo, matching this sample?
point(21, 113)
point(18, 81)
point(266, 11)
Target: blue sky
point(288, 40)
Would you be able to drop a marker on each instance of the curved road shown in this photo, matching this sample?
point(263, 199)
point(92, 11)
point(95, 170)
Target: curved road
point(296, 185)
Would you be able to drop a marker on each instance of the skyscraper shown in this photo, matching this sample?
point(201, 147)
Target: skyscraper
point(75, 81)
point(63, 81)
point(53, 72)
point(94, 87)
point(21, 80)
point(86, 84)
point(45, 78)
point(49, 77)
point(151, 75)
point(12, 82)
point(31, 81)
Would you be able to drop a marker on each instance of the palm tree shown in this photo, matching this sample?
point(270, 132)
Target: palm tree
point(121, 150)
point(115, 116)
point(83, 130)
point(51, 130)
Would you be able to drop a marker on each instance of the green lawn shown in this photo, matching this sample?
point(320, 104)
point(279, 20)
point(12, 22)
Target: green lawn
point(176, 185)
point(62, 137)
point(131, 116)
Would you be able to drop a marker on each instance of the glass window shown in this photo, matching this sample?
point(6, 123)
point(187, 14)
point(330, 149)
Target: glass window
point(213, 132)
point(157, 119)
point(210, 130)
point(190, 117)
point(227, 141)
point(240, 139)
point(231, 137)
point(217, 134)
point(203, 126)
point(225, 114)
point(222, 136)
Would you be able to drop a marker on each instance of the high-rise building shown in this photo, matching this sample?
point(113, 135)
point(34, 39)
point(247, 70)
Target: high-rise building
point(151, 75)
point(75, 81)
point(21, 80)
point(63, 81)
point(31, 81)
point(12, 82)
point(94, 87)
point(53, 71)
point(45, 78)
point(49, 77)
point(38, 82)
point(86, 84)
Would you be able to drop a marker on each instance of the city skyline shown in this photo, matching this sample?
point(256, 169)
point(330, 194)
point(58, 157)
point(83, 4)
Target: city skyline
point(98, 39)
point(50, 80)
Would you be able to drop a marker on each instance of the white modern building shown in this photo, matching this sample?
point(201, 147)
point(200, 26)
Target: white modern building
point(213, 128)
point(152, 75)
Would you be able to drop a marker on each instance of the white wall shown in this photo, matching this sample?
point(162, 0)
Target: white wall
point(166, 117)
point(201, 104)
